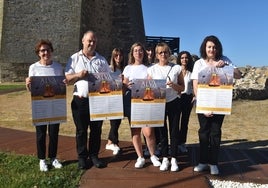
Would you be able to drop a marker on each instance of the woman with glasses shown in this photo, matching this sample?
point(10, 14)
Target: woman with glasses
point(136, 69)
point(175, 85)
point(45, 67)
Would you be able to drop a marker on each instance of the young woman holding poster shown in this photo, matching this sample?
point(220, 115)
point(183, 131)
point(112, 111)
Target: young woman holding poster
point(45, 67)
point(210, 124)
point(175, 85)
point(117, 65)
point(137, 70)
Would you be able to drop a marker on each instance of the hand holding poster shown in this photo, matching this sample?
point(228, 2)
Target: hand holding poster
point(214, 90)
point(148, 102)
point(48, 95)
point(105, 97)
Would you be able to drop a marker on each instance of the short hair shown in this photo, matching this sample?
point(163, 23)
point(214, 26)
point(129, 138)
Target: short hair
point(163, 45)
point(43, 42)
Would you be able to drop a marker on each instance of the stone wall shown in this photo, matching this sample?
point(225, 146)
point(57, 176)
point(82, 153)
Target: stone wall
point(253, 85)
point(118, 23)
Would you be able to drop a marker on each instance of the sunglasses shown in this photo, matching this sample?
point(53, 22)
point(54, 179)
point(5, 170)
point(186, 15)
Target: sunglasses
point(163, 52)
point(45, 50)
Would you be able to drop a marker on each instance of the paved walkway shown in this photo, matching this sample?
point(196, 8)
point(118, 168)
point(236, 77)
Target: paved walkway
point(235, 164)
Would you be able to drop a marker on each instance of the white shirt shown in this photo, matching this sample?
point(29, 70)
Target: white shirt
point(37, 69)
point(135, 72)
point(201, 64)
point(188, 83)
point(78, 62)
point(170, 71)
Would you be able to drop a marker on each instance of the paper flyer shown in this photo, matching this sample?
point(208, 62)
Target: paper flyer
point(215, 90)
point(105, 97)
point(148, 100)
point(48, 94)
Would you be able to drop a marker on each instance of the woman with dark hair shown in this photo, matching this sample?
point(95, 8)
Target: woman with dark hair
point(45, 67)
point(117, 66)
point(210, 124)
point(187, 98)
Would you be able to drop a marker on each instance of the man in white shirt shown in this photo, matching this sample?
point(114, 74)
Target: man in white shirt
point(79, 66)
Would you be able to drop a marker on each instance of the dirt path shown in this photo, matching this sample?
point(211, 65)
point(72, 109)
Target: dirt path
point(246, 127)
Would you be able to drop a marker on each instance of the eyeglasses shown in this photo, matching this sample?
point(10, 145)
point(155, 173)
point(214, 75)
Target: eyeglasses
point(45, 50)
point(138, 51)
point(163, 52)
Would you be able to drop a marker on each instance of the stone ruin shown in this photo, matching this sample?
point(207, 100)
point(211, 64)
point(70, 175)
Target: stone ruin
point(253, 85)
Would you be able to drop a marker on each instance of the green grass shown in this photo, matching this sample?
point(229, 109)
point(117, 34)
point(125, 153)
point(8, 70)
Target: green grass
point(19, 171)
point(12, 86)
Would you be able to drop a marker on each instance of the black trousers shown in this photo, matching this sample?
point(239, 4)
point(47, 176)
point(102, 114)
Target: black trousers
point(210, 138)
point(186, 108)
point(53, 133)
point(113, 133)
point(173, 115)
point(85, 147)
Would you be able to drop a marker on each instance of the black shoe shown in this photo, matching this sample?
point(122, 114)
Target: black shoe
point(97, 162)
point(82, 164)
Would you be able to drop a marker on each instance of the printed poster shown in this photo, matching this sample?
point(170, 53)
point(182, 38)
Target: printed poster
point(48, 94)
point(215, 90)
point(148, 100)
point(105, 96)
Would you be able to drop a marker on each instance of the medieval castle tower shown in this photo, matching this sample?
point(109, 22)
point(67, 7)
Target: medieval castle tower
point(118, 23)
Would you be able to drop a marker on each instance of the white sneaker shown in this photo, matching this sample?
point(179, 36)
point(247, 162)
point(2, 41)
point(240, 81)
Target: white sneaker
point(56, 163)
point(200, 167)
point(43, 165)
point(113, 147)
point(174, 165)
point(140, 162)
point(214, 170)
point(182, 148)
point(155, 161)
point(165, 164)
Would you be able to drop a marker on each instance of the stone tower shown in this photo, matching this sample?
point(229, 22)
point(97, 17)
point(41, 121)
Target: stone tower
point(118, 23)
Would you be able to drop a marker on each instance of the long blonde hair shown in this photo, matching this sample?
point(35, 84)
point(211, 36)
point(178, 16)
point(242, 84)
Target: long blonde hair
point(131, 59)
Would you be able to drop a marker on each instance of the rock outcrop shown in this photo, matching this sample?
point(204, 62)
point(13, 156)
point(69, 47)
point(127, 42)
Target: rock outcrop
point(253, 85)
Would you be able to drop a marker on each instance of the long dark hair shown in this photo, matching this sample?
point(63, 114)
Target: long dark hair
point(190, 63)
point(217, 43)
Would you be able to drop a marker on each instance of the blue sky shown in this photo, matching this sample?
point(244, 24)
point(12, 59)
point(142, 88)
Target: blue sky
point(241, 26)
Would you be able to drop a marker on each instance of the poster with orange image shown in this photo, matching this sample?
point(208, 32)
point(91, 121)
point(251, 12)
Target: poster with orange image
point(215, 90)
point(148, 100)
point(48, 96)
point(105, 96)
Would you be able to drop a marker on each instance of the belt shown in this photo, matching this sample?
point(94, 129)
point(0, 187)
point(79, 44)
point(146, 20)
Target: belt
point(80, 97)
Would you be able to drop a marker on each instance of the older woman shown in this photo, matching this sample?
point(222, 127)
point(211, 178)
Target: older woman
point(175, 85)
point(45, 67)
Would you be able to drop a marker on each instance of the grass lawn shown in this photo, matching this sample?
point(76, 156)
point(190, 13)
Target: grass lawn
point(23, 171)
